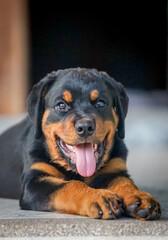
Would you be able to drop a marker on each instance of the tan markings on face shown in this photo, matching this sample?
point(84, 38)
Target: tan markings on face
point(47, 168)
point(94, 94)
point(110, 127)
point(64, 130)
point(106, 129)
point(67, 96)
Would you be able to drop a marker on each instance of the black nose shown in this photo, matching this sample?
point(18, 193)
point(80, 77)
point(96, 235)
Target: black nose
point(85, 128)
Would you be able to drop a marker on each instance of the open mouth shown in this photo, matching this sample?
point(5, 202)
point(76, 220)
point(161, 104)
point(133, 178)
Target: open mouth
point(85, 156)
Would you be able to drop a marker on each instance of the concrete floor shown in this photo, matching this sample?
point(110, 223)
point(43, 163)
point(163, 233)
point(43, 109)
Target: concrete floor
point(20, 224)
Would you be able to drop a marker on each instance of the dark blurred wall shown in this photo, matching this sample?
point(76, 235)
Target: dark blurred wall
point(128, 40)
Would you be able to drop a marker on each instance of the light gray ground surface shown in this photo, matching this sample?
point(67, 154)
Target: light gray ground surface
point(20, 224)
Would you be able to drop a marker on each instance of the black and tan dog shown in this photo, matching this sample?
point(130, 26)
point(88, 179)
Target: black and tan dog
point(71, 151)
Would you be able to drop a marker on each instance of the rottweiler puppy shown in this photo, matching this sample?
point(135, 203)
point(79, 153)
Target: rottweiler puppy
point(70, 150)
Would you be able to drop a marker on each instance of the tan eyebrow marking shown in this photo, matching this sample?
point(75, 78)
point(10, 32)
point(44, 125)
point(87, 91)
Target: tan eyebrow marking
point(94, 94)
point(67, 96)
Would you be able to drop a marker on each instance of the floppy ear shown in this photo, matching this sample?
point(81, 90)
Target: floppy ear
point(120, 102)
point(36, 101)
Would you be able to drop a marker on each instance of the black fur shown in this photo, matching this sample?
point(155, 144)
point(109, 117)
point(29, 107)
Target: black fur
point(41, 191)
point(103, 180)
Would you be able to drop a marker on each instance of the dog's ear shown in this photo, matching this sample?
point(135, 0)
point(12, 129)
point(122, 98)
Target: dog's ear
point(120, 102)
point(36, 101)
point(121, 105)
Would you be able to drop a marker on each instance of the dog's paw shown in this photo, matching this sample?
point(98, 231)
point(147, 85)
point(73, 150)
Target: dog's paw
point(142, 206)
point(104, 204)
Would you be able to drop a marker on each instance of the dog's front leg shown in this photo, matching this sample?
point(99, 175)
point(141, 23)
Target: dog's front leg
point(138, 204)
point(47, 190)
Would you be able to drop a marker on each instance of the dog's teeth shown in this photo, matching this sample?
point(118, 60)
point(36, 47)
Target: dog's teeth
point(69, 147)
point(95, 146)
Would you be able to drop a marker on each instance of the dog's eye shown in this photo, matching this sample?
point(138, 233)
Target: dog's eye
point(62, 107)
point(100, 104)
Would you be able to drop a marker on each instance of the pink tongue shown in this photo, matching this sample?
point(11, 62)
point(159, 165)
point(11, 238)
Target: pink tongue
point(85, 159)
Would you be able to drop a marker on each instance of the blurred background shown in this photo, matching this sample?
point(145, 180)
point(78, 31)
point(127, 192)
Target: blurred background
point(126, 39)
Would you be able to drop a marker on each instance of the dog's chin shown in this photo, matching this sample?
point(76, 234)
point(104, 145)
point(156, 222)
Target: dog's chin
point(84, 158)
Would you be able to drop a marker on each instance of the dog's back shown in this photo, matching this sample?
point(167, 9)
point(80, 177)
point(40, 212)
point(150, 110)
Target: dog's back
point(10, 160)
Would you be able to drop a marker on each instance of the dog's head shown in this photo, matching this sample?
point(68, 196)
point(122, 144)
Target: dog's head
point(80, 112)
